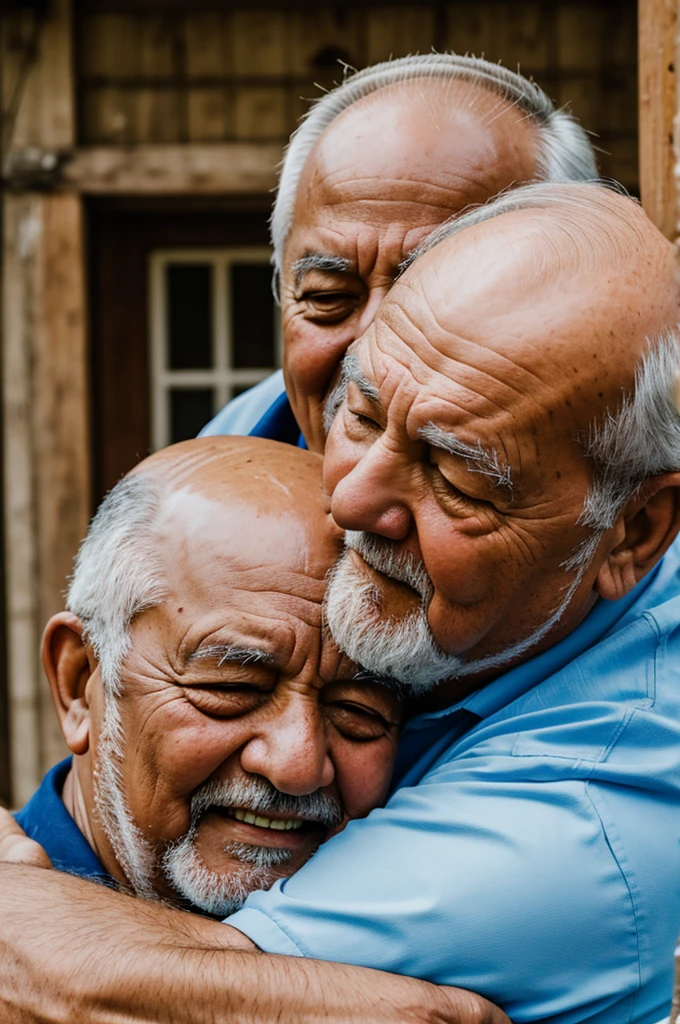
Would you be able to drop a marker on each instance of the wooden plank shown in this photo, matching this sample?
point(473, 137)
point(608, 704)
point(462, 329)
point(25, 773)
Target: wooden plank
point(46, 116)
point(258, 43)
point(226, 169)
point(207, 52)
point(36, 327)
point(657, 53)
point(260, 113)
point(46, 453)
point(397, 31)
point(108, 45)
point(207, 115)
point(22, 217)
point(61, 444)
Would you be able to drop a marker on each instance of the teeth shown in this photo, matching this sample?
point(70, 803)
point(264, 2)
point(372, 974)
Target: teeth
point(279, 824)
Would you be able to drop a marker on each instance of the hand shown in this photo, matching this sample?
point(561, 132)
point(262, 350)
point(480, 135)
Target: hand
point(16, 847)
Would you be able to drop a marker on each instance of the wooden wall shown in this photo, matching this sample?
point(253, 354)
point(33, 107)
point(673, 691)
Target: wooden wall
point(177, 73)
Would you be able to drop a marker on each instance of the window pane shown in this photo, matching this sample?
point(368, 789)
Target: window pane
point(252, 315)
point(189, 306)
point(190, 410)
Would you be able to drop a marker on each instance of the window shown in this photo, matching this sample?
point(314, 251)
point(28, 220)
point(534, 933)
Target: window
point(214, 333)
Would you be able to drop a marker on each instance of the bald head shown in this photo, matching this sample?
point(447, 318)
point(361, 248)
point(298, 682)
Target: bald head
point(237, 502)
point(437, 144)
point(562, 149)
point(575, 278)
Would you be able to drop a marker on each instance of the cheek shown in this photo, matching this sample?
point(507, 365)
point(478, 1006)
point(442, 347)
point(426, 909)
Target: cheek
point(364, 771)
point(163, 773)
point(312, 353)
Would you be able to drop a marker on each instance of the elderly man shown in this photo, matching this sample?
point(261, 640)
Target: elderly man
point(375, 165)
point(507, 459)
point(217, 737)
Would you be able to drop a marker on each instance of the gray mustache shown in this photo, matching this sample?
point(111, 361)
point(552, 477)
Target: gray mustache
point(258, 795)
point(379, 553)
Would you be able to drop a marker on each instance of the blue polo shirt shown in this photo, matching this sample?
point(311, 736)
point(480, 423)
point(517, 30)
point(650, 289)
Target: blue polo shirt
point(45, 819)
point(262, 411)
point(531, 848)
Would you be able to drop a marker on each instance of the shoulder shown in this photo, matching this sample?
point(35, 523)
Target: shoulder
point(241, 414)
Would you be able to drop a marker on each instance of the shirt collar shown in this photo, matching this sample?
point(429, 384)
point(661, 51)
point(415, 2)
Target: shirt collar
point(45, 819)
point(601, 620)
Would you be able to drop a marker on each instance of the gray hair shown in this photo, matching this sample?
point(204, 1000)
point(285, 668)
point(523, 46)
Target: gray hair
point(117, 572)
point(564, 152)
point(641, 438)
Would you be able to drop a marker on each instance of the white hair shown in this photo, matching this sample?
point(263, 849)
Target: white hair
point(405, 649)
point(564, 152)
point(117, 572)
point(641, 439)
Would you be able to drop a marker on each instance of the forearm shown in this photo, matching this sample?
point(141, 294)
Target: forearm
point(70, 950)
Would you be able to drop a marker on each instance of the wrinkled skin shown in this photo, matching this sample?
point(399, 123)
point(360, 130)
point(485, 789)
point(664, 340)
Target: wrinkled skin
point(519, 352)
point(244, 547)
point(379, 179)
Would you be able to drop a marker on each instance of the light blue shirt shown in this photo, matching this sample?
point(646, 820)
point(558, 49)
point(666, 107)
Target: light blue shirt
point(531, 849)
point(242, 414)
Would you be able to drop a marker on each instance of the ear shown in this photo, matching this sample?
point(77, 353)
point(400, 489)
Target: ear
point(67, 667)
point(647, 527)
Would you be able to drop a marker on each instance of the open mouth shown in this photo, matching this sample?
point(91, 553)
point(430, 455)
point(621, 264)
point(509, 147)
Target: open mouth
point(263, 821)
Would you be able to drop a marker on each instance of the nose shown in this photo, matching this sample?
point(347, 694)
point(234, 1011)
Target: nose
point(369, 497)
point(291, 750)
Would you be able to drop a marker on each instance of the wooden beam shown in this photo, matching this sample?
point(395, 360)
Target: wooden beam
point(658, 104)
point(23, 225)
point(45, 372)
point(220, 169)
point(46, 452)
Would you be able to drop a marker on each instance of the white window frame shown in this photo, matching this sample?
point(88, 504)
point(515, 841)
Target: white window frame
point(222, 376)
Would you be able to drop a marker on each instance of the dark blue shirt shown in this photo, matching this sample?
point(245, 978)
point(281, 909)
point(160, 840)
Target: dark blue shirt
point(263, 411)
point(45, 819)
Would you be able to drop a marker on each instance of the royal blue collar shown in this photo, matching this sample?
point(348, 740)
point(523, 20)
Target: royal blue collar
point(279, 424)
point(45, 819)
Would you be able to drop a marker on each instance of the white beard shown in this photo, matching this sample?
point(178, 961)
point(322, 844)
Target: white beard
point(405, 649)
point(217, 893)
point(134, 854)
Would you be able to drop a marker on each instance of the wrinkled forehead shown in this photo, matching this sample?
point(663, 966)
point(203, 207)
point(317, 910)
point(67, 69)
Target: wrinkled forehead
point(431, 131)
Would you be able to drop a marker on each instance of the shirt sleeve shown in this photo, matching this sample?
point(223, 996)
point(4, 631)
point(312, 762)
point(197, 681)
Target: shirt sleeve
point(241, 414)
point(475, 878)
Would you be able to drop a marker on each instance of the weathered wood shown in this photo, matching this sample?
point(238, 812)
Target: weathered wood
point(46, 114)
point(23, 228)
point(43, 331)
point(46, 452)
point(229, 168)
point(389, 30)
point(658, 104)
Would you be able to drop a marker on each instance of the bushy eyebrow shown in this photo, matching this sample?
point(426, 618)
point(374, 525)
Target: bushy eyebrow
point(478, 459)
point(325, 262)
point(351, 371)
point(222, 653)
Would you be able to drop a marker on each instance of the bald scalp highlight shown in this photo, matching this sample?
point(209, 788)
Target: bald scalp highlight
point(563, 150)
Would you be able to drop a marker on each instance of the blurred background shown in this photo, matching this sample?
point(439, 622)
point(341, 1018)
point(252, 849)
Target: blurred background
point(139, 145)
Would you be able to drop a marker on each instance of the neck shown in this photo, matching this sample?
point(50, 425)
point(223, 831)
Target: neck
point(74, 801)
point(76, 804)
